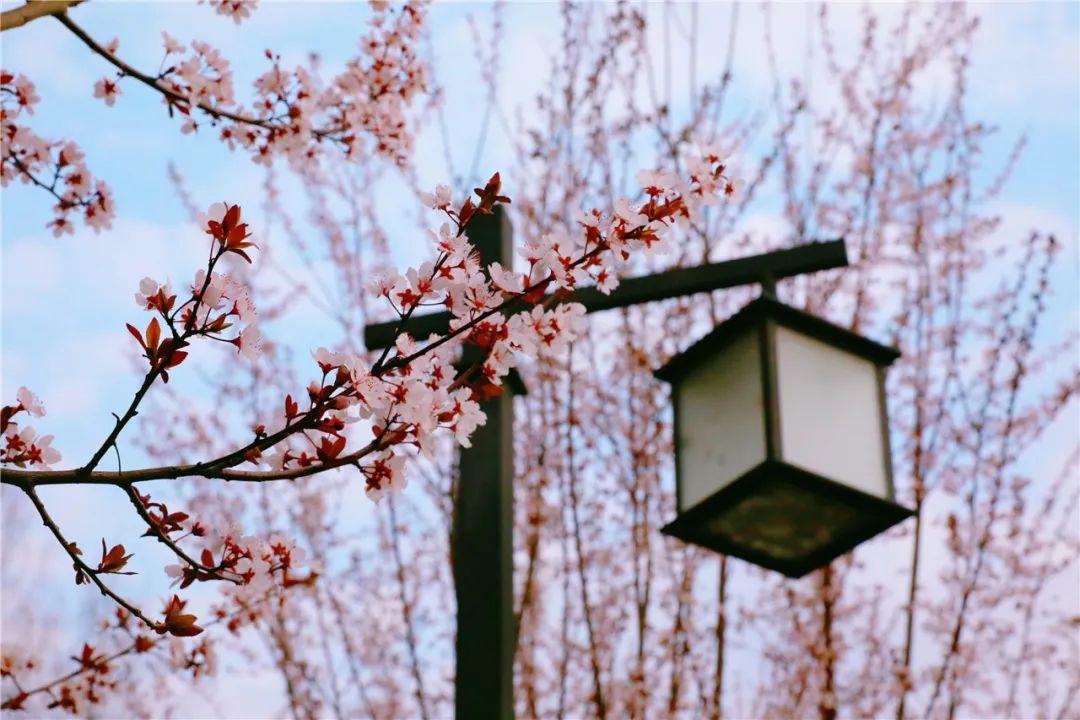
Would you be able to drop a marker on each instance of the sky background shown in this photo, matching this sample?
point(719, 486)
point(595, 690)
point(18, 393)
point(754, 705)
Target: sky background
point(64, 302)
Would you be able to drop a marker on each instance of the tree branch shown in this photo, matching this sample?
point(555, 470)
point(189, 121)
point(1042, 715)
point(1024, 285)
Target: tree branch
point(17, 17)
point(132, 411)
point(23, 695)
point(90, 572)
point(172, 95)
point(26, 479)
point(157, 532)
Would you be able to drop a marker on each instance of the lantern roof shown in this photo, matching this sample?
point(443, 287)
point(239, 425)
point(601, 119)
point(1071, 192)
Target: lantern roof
point(768, 308)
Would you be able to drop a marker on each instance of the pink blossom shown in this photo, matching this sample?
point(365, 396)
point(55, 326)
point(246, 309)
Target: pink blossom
point(438, 200)
point(108, 90)
point(30, 402)
point(172, 46)
point(238, 10)
point(249, 342)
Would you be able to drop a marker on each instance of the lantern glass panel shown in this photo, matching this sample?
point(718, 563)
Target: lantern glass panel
point(830, 412)
point(721, 422)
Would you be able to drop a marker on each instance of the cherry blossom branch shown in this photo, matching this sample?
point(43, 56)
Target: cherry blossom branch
point(17, 17)
point(406, 398)
point(25, 479)
point(122, 421)
point(47, 187)
point(15, 702)
point(579, 549)
point(158, 368)
point(162, 537)
point(217, 469)
point(31, 159)
point(86, 570)
point(150, 81)
point(363, 109)
point(352, 111)
point(407, 610)
point(140, 644)
point(225, 226)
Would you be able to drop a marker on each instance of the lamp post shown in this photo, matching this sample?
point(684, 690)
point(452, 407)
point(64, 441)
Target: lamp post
point(482, 545)
point(482, 549)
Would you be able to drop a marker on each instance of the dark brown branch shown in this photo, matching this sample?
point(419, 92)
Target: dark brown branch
point(24, 695)
point(26, 479)
point(163, 537)
point(152, 82)
point(63, 202)
point(594, 653)
point(90, 572)
point(172, 95)
point(132, 411)
point(84, 668)
point(407, 612)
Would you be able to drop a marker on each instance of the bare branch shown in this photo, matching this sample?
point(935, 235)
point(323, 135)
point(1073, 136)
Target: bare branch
point(17, 17)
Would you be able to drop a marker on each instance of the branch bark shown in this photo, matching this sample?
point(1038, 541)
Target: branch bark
point(17, 17)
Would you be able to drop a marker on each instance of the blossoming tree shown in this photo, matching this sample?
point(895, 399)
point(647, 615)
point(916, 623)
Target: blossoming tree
point(614, 620)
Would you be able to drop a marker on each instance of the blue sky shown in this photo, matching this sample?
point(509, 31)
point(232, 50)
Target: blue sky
point(1025, 80)
point(65, 301)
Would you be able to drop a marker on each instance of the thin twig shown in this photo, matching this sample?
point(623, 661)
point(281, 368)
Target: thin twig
point(90, 572)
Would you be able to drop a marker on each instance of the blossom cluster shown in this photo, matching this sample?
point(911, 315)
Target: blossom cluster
point(215, 303)
point(55, 166)
point(196, 74)
point(556, 261)
point(92, 678)
point(258, 564)
point(294, 113)
point(224, 553)
point(24, 447)
point(404, 408)
point(409, 396)
point(238, 10)
point(416, 391)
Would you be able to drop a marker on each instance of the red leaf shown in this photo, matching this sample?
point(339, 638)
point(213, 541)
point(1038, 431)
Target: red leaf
point(177, 622)
point(232, 216)
point(114, 560)
point(236, 235)
point(153, 335)
point(466, 212)
point(15, 702)
point(137, 334)
point(177, 358)
point(328, 450)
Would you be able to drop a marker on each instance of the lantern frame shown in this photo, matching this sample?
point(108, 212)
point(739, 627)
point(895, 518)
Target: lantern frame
point(874, 514)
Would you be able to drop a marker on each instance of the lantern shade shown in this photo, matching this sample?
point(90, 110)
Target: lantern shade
point(781, 439)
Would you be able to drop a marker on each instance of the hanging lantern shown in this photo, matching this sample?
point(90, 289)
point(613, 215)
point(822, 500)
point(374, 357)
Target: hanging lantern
point(781, 439)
